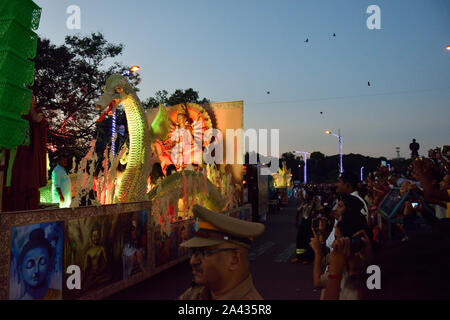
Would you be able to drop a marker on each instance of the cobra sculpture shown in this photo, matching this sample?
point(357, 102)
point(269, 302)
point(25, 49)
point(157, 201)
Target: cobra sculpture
point(133, 183)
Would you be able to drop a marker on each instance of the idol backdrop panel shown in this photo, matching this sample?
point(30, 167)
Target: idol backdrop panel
point(221, 116)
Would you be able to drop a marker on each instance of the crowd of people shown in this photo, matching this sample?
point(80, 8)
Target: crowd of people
point(342, 231)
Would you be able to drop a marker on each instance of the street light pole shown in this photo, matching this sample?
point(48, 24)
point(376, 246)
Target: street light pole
point(304, 172)
point(305, 156)
point(341, 167)
point(362, 173)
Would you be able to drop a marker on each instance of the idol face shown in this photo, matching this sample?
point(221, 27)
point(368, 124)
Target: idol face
point(35, 267)
point(95, 237)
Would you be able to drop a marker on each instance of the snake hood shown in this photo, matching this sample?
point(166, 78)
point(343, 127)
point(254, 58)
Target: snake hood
point(118, 91)
point(117, 88)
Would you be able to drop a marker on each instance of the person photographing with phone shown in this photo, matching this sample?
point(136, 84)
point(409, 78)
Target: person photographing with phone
point(303, 221)
point(350, 224)
point(346, 186)
point(349, 258)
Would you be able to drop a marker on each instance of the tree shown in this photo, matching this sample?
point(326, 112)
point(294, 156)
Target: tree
point(317, 167)
point(317, 156)
point(68, 80)
point(153, 102)
point(179, 96)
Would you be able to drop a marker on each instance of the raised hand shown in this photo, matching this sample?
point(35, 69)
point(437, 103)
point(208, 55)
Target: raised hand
point(339, 256)
point(315, 244)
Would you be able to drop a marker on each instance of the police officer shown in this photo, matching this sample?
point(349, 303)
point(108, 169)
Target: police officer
point(219, 257)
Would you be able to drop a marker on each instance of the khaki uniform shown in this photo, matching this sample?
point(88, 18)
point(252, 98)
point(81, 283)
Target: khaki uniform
point(211, 229)
point(244, 291)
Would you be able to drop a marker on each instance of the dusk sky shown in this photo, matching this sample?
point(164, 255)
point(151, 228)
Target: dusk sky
point(238, 50)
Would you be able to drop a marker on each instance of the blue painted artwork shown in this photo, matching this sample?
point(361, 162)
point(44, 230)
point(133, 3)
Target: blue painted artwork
point(36, 262)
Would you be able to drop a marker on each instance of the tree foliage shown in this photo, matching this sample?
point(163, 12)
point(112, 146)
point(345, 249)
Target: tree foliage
point(179, 96)
point(325, 169)
point(69, 78)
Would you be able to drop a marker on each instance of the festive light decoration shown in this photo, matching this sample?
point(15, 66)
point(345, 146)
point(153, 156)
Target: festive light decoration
point(131, 70)
point(113, 134)
point(127, 73)
point(17, 45)
point(283, 178)
point(135, 69)
point(133, 186)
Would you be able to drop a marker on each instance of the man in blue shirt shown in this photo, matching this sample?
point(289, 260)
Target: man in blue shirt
point(61, 186)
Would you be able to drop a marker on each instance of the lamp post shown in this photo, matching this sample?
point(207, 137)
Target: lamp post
point(305, 155)
point(362, 173)
point(341, 168)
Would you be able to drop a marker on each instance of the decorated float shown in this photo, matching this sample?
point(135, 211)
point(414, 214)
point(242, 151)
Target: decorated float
point(125, 222)
point(282, 181)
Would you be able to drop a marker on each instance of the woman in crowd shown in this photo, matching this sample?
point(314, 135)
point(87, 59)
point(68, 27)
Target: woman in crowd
point(350, 223)
point(412, 269)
